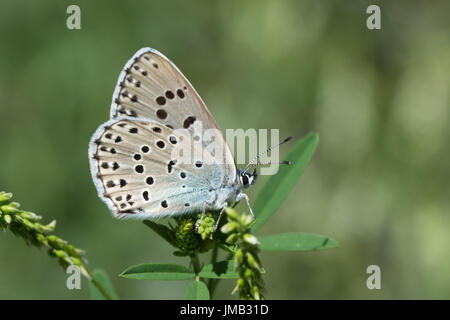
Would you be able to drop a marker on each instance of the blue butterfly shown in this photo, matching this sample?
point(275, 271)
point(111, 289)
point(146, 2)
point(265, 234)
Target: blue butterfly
point(133, 158)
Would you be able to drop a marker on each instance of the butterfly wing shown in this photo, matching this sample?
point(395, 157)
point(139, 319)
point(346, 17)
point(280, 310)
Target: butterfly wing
point(137, 175)
point(152, 87)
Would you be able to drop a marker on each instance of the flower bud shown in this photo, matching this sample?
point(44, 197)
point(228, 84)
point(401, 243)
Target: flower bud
point(8, 209)
point(240, 284)
point(232, 238)
point(4, 197)
point(60, 254)
point(185, 237)
point(248, 275)
point(7, 218)
point(230, 227)
point(238, 258)
point(255, 292)
point(246, 220)
point(76, 261)
point(41, 238)
point(232, 214)
point(251, 239)
point(252, 261)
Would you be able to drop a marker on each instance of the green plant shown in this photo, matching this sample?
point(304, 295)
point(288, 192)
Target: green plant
point(26, 225)
point(235, 236)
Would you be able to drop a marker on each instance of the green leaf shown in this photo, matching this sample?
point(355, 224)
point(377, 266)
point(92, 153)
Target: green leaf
point(228, 248)
point(197, 290)
point(158, 271)
point(162, 230)
point(102, 277)
point(219, 270)
point(279, 185)
point(296, 241)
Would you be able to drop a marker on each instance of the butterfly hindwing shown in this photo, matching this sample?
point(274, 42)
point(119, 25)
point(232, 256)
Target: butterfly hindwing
point(139, 175)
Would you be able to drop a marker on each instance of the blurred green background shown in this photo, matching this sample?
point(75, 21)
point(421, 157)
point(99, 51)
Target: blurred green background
point(379, 183)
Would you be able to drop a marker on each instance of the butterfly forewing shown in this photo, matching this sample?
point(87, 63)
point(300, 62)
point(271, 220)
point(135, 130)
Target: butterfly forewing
point(151, 87)
point(137, 175)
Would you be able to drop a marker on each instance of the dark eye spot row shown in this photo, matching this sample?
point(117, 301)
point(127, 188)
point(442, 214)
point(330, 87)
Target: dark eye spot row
point(164, 204)
point(145, 195)
point(182, 175)
point(139, 168)
point(137, 157)
point(145, 149)
point(160, 100)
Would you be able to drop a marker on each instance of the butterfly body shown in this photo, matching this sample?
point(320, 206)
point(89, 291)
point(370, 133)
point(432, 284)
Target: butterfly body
point(133, 156)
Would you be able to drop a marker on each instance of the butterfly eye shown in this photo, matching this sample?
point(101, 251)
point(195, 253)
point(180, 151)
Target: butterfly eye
point(244, 180)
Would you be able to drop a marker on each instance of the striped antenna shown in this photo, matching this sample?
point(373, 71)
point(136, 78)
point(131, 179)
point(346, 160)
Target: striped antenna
point(254, 161)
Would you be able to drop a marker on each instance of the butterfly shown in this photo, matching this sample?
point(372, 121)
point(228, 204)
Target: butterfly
point(132, 156)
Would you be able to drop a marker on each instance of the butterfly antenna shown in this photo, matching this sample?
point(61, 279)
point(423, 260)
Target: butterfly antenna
point(270, 162)
point(254, 161)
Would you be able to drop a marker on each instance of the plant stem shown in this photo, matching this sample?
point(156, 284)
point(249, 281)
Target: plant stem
point(212, 283)
point(99, 286)
point(195, 264)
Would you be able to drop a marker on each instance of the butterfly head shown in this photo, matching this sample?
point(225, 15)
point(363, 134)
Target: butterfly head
point(247, 178)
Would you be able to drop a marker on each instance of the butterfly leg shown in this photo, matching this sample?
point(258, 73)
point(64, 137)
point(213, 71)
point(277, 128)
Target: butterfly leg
point(248, 204)
point(220, 215)
point(241, 196)
point(201, 218)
